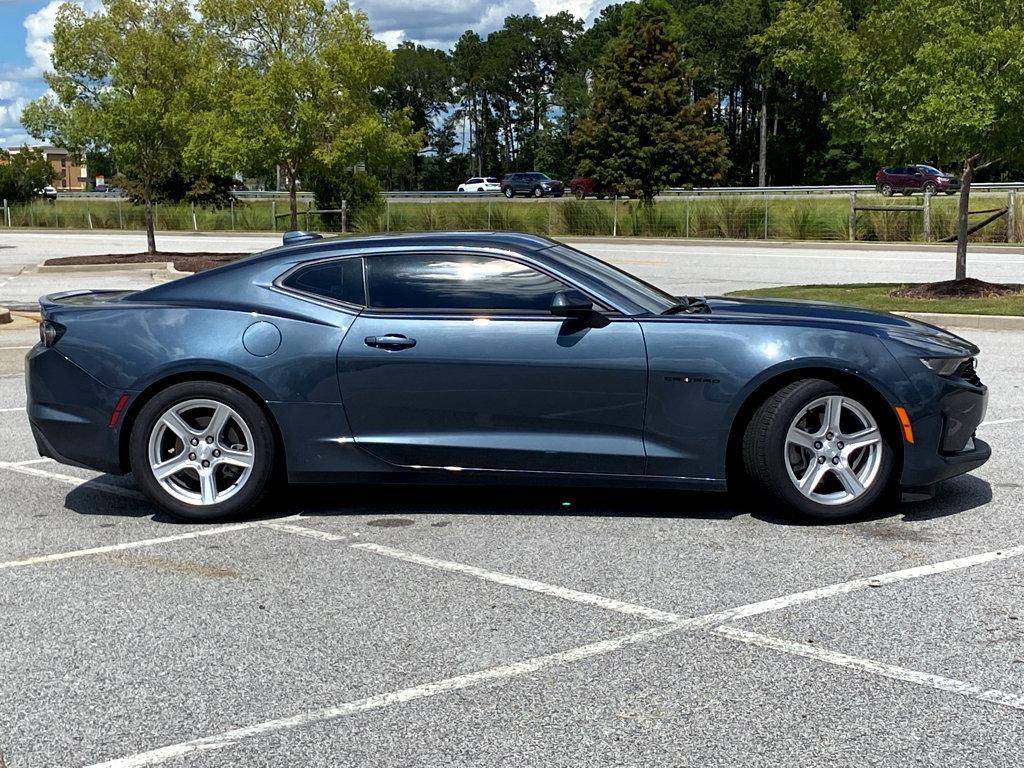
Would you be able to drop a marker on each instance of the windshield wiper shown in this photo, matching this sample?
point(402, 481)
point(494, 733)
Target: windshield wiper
point(689, 304)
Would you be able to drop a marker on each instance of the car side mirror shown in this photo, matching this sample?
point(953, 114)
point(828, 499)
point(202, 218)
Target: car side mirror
point(571, 304)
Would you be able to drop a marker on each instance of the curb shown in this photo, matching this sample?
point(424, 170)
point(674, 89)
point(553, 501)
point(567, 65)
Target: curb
point(122, 267)
point(980, 322)
point(5, 315)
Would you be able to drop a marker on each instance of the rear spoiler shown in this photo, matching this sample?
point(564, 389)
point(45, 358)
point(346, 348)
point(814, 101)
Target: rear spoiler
point(65, 300)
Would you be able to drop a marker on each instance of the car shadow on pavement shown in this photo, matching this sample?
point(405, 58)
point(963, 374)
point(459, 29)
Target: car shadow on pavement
point(953, 497)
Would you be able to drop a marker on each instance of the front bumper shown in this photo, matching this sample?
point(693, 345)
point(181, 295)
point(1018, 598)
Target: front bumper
point(945, 444)
point(69, 412)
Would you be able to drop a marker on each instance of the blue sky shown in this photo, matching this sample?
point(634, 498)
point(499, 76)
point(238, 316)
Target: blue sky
point(26, 26)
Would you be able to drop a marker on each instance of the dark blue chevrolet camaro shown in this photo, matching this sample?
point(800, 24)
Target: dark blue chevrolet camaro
point(492, 357)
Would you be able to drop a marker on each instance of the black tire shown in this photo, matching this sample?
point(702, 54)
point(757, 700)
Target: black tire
point(579, 193)
point(886, 190)
point(255, 487)
point(538, 192)
point(764, 453)
point(930, 188)
point(509, 192)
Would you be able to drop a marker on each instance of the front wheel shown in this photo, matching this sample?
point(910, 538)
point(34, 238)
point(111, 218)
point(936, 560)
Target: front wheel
point(509, 192)
point(538, 192)
point(822, 453)
point(202, 450)
point(886, 190)
point(579, 193)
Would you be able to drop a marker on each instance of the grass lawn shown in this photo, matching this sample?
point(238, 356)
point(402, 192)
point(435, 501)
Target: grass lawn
point(876, 296)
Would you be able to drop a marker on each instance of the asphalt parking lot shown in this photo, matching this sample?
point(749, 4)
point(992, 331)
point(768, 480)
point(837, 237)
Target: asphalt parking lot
point(483, 626)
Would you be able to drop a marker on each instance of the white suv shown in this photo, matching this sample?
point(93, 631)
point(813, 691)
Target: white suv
point(481, 184)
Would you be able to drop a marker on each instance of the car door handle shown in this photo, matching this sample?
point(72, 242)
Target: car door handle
point(390, 342)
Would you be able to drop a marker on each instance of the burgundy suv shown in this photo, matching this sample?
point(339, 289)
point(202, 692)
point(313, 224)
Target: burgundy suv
point(911, 179)
point(582, 186)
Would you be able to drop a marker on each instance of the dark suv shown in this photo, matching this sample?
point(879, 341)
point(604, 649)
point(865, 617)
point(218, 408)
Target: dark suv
point(531, 183)
point(911, 179)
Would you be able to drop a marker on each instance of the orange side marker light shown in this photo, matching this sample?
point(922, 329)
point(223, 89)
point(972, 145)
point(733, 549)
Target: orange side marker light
point(908, 430)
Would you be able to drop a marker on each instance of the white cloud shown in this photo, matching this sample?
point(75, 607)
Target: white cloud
point(39, 35)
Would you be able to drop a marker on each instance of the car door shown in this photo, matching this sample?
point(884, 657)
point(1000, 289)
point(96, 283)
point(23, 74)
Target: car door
point(458, 363)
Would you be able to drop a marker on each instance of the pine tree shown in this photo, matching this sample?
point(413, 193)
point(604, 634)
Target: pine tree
point(644, 131)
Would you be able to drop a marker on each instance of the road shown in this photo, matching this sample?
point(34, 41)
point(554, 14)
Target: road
point(683, 267)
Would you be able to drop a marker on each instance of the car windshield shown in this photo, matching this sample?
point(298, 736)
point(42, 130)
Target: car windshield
point(640, 292)
point(931, 170)
point(535, 176)
point(491, 180)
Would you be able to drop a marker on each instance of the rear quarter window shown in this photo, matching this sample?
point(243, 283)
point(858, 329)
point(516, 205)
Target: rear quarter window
point(340, 280)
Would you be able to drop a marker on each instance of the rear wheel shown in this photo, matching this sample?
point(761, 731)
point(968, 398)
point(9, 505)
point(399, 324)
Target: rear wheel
point(822, 453)
point(202, 450)
point(509, 192)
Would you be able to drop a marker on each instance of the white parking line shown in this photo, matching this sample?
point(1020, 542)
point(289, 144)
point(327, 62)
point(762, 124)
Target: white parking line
point(600, 601)
point(11, 410)
point(434, 688)
point(941, 683)
point(71, 480)
point(889, 578)
point(229, 738)
point(1002, 421)
point(305, 531)
point(18, 347)
point(51, 557)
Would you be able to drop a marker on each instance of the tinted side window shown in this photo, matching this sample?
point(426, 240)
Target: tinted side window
point(457, 282)
point(341, 280)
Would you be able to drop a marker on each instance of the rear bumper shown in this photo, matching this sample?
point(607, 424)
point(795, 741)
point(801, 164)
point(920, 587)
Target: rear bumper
point(69, 412)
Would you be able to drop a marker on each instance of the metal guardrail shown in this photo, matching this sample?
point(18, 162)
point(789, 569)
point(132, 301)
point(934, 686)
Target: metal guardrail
point(822, 189)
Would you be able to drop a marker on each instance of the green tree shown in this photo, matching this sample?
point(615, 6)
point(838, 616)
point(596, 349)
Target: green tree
point(293, 85)
point(119, 86)
point(23, 173)
point(420, 85)
point(949, 87)
point(644, 132)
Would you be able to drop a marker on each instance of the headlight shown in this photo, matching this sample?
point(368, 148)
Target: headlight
point(944, 366)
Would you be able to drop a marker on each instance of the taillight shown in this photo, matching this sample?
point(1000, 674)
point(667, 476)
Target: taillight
point(50, 332)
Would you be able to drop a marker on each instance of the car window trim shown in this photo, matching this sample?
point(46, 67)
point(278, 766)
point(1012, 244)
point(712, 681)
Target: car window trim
point(613, 309)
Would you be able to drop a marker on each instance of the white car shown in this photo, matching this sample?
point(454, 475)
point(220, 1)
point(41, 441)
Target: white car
point(481, 184)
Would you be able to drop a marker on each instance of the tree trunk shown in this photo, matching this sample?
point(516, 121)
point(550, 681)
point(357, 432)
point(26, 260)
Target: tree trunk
point(963, 209)
point(293, 199)
point(150, 224)
point(762, 152)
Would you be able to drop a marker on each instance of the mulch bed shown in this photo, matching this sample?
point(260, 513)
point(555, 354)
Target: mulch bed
point(946, 289)
point(195, 261)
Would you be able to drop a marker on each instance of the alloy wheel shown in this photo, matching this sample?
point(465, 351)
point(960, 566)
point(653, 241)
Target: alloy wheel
point(201, 452)
point(833, 450)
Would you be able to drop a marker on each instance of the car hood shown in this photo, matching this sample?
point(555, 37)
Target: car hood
point(908, 331)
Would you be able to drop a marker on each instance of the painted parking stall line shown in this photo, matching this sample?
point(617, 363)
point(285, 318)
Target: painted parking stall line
point(1010, 421)
point(536, 664)
point(71, 480)
point(12, 410)
point(53, 557)
point(862, 664)
point(566, 594)
point(432, 689)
